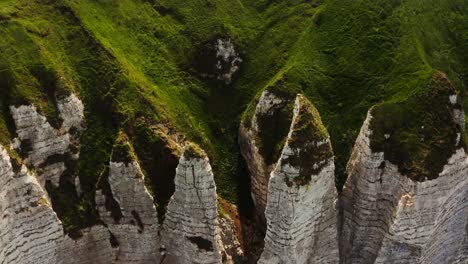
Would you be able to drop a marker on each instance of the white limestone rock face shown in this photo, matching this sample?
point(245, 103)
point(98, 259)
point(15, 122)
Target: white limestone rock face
point(93, 247)
point(40, 141)
point(29, 229)
point(388, 218)
point(301, 214)
point(190, 228)
point(258, 169)
point(136, 228)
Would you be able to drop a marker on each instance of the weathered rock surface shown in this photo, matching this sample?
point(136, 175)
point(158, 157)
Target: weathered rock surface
point(389, 218)
point(45, 147)
point(249, 145)
point(300, 213)
point(30, 231)
point(190, 227)
point(135, 228)
point(93, 247)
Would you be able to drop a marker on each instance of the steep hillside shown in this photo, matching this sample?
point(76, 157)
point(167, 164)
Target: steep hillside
point(156, 71)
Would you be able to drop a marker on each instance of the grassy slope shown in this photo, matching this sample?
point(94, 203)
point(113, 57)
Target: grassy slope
point(352, 55)
point(134, 58)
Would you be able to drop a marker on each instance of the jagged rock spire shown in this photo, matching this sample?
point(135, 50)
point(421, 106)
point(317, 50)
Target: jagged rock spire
point(189, 228)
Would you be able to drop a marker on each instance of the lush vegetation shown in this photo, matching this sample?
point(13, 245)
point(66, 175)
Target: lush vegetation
point(134, 64)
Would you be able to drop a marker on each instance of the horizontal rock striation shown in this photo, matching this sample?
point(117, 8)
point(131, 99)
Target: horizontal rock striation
point(389, 218)
point(385, 216)
point(190, 227)
point(29, 229)
point(301, 213)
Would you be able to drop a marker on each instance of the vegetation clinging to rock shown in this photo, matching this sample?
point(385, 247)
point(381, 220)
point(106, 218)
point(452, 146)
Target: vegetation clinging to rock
point(420, 133)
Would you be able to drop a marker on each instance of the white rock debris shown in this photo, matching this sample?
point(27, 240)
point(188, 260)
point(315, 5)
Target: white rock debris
point(258, 169)
point(231, 251)
point(389, 218)
point(136, 232)
point(190, 227)
point(453, 99)
point(301, 218)
point(228, 60)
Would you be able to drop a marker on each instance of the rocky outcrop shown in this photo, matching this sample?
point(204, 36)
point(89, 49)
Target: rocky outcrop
point(259, 170)
point(189, 233)
point(385, 216)
point(47, 149)
point(228, 60)
point(389, 218)
point(301, 213)
point(134, 227)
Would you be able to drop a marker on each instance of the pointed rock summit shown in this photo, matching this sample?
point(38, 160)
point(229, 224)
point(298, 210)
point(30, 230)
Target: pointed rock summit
point(301, 214)
point(190, 225)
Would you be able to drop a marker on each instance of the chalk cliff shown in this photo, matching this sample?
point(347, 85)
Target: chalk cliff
point(383, 216)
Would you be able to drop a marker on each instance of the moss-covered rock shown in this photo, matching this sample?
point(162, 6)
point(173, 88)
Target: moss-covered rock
point(122, 150)
point(193, 151)
point(309, 142)
point(420, 133)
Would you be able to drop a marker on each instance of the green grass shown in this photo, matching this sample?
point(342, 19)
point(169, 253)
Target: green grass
point(133, 64)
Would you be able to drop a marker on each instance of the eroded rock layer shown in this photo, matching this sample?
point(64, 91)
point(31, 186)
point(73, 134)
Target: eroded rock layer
point(389, 218)
point(300, 213)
